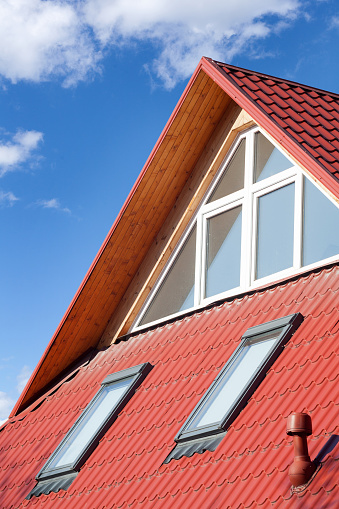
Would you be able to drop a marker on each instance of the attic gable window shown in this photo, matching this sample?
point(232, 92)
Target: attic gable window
point(62, 467)
point(260, 346)
point(261, 220)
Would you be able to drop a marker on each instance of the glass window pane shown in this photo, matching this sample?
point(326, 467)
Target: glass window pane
point(223, 252)
point(275, 231)
point(235, 379)
point(233, 176)
point(90, 424)
point(176, 293)
point(268, 160)
point(321, 226)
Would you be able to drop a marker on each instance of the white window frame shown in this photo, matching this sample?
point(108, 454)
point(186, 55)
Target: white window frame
point(200, 272)
point(248, 199)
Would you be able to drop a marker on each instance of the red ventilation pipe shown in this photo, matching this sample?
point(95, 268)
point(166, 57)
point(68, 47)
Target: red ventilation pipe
point(299, 425)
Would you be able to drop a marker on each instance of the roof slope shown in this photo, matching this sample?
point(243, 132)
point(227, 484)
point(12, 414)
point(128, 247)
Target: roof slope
point(303, 120)
point(249, 467)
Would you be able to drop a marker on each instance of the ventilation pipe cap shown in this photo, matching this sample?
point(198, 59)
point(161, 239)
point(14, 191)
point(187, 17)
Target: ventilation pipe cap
point(299, 425)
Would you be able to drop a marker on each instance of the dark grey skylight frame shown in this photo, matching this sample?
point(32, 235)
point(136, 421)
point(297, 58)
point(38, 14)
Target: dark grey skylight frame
point(57, 477)
point(192, 438)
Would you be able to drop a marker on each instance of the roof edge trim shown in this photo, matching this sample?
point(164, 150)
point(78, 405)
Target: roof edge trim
point(220, 77)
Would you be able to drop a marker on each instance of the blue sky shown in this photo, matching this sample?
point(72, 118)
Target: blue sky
point(86, 88)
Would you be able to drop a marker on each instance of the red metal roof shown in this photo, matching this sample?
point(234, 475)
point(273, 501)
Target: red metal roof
point(250, 466)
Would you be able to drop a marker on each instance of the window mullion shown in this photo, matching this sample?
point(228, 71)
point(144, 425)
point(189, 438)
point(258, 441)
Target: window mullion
point(199, 263)
point(246, 251)
point(298, 220)
point(254, 223)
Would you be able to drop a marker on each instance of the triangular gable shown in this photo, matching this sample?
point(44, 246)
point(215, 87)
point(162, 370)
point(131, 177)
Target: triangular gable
point(261, 220)
point(208, 95)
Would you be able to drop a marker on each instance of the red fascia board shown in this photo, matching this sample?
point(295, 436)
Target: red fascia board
point(17, 406)
point(235, 92)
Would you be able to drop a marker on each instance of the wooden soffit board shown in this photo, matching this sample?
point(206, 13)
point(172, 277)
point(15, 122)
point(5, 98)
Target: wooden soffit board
point(153, 196)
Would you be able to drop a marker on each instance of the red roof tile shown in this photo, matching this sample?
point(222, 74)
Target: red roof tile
point(249, 467)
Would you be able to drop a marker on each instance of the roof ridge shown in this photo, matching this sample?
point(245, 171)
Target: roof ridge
point(275, 78)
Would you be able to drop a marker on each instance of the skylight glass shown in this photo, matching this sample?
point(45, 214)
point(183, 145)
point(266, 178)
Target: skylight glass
point(89, 424)
point(229, 387)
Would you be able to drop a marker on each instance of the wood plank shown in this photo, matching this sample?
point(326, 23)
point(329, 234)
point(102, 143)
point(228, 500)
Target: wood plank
point(155, 185)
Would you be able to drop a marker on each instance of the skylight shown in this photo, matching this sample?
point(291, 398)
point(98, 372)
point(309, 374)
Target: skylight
point(244, 371)
point(63, 465)
point(261, 220)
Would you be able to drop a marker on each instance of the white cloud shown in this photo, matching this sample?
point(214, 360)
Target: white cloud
point(7, 199)
point(41, 39)
point(18, 150)
point(22, 378)
point(6, 402)
point(6, 405)
point(184, 30)
point(52, 204)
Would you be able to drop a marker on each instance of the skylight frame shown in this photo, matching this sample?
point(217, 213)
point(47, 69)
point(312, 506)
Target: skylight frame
point(287, 326)
point(137, 374)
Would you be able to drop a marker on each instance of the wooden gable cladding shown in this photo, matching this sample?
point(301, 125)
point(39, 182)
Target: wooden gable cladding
point(154, 195)
point(233, 121)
